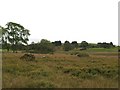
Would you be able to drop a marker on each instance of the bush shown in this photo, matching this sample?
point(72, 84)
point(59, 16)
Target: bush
point(28, 57)
point(83, 55)
point(67, 46)
point(44, 47)
point(80, 54)
point(74, 53)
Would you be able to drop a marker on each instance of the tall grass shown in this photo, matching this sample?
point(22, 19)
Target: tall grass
point(60, 71)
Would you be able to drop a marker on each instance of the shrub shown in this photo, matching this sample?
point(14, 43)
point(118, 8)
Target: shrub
point(28, 57)
point(67, 46)
point(74, 53)
point(83, 55)
point(44, 47)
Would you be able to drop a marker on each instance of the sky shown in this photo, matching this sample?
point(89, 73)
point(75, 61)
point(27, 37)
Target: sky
point(73, 20)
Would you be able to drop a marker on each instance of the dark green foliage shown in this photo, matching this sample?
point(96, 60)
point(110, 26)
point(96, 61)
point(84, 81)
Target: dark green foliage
point(4, 38)
point(74, 44)
point(46, 46)
point(14, 34)
point(6, 46)
point(57, 43)
point(67, 46)
point(43, 47)
point(18, 34)
point(21, 47)
point(84, 44)
point(105, 45)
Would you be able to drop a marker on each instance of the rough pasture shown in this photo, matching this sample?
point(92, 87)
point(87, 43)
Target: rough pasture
point(99, 70)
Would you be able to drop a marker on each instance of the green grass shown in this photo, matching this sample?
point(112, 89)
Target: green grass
point(61, 70)
point(114, 49)
point(102, 49)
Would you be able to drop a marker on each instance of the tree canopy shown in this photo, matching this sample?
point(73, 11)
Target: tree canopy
point(14, 34)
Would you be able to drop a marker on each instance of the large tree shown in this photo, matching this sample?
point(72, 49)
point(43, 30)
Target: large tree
point(4, 38)
point(17, 34)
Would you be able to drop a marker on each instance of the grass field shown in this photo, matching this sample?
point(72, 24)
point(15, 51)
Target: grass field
point(62, 70)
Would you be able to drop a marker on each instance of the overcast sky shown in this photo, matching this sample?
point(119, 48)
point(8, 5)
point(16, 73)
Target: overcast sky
point(73, 20)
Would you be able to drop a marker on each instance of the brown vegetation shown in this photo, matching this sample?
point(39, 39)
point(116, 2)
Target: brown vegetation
point(60, 71)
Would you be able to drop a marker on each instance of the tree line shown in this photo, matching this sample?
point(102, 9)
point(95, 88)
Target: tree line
point(15, 37)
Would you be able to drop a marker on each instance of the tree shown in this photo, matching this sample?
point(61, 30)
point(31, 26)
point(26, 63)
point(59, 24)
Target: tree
point(17, 34)
point(46, 46)
point(57, 43)
point(4, 38)
point(21, 46)
point(67, 46)
point(105, 45)
point(84, 44)
point(45, 41)
point(111, 44)
point(92, 45)
point(0, 37)
point(74, 44)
